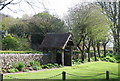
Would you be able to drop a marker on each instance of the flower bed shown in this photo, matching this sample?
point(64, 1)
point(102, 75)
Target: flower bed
point(34, 65)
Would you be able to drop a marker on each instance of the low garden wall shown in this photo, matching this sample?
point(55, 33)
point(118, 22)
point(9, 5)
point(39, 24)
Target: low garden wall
point(6, 60)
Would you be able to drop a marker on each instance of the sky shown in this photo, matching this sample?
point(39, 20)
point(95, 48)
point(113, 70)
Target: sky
point(57, 7)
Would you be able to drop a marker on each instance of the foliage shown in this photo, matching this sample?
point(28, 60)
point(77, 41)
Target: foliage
point(56, 65)
point(36, 67)
point(77, 61)
point(21, 66)
point(45, 66)
point(109, 58)
point(43, 23)
point(35, 63)
point(31, 31)
point(24, 44)
point(21, 52)
point(76, 52)
point(14, 65)
point(89, 26)
point(10, 43)
point(111, 10)
point(12, 70)
point(50, 65)
point(26, 70)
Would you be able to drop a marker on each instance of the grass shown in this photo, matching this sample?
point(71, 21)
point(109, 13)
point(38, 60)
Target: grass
point(87, 69)
point(19, 52)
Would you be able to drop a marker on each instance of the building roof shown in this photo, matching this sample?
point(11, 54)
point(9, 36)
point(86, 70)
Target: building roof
point(56, 40)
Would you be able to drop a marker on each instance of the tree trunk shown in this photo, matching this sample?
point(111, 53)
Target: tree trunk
point(82, 53)
point(104, 46)
point(98, 49)
point(88, 54)
point(94, 52)
point(88, 49)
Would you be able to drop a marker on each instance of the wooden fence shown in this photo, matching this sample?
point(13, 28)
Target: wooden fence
point(64, 74)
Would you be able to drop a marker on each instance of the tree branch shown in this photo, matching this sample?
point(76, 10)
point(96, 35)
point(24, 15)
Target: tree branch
point(4, 5)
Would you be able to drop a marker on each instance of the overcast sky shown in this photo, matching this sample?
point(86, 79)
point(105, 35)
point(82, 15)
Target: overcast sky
point(58, 7)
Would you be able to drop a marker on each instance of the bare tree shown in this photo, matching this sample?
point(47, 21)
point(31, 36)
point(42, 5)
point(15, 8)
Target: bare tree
point(31, 4)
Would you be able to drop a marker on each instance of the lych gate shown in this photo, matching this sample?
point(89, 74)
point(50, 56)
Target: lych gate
point(61, 47)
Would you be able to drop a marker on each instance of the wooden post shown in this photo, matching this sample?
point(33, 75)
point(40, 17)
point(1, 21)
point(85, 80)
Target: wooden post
point(70, 56)
point(1, 77)
point(63, 75)
point(62, 57)
point(107, 75)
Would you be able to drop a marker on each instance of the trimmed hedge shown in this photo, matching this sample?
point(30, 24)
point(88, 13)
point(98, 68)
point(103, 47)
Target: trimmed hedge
point(20, 52)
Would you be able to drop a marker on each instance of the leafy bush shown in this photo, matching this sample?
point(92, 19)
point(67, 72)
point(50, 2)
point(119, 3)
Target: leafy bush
point(76, 52)
point(14, 65)
point(26, 70)
point(35, 63)
point(50, 65)
point(45, 66)
point(56, 65)
point(36, 67)
point(20, 52)
point(21, 66)
point(109, 58)
point(23, 44)
point(77, 61)
point(12, 70)
point(9, 43)
point(111, 55)
point(16, 70)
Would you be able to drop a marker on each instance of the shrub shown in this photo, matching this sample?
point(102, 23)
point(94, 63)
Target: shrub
point(77, 61)
point(21, 66)
point(20, 52)
point(111, 55)
point(50, 65)
point(56, 65)
point(14, 65)
point(12, 70)
point(76, 52)
point(16, 70)
point(34, 63)
point(109, 59)
point(60, 66)
point(26, 70)
point(36, 67)
point(24, 44)
point(9, 43)
point(45, 67)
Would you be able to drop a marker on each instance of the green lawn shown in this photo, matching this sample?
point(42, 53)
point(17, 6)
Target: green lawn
point(87, 69)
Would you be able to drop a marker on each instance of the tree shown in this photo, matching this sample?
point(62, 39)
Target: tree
point(89, 26)
point(30, 3)
point(112, 10)
point(41, 24)
point(9, 43)
point(4, 3)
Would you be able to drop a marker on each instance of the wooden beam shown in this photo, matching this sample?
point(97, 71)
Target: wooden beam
point(62, 51)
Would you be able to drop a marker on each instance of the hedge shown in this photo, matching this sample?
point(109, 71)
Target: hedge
point(20, 52)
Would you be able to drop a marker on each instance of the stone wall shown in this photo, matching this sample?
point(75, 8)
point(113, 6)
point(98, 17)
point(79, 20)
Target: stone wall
point(6, 60)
